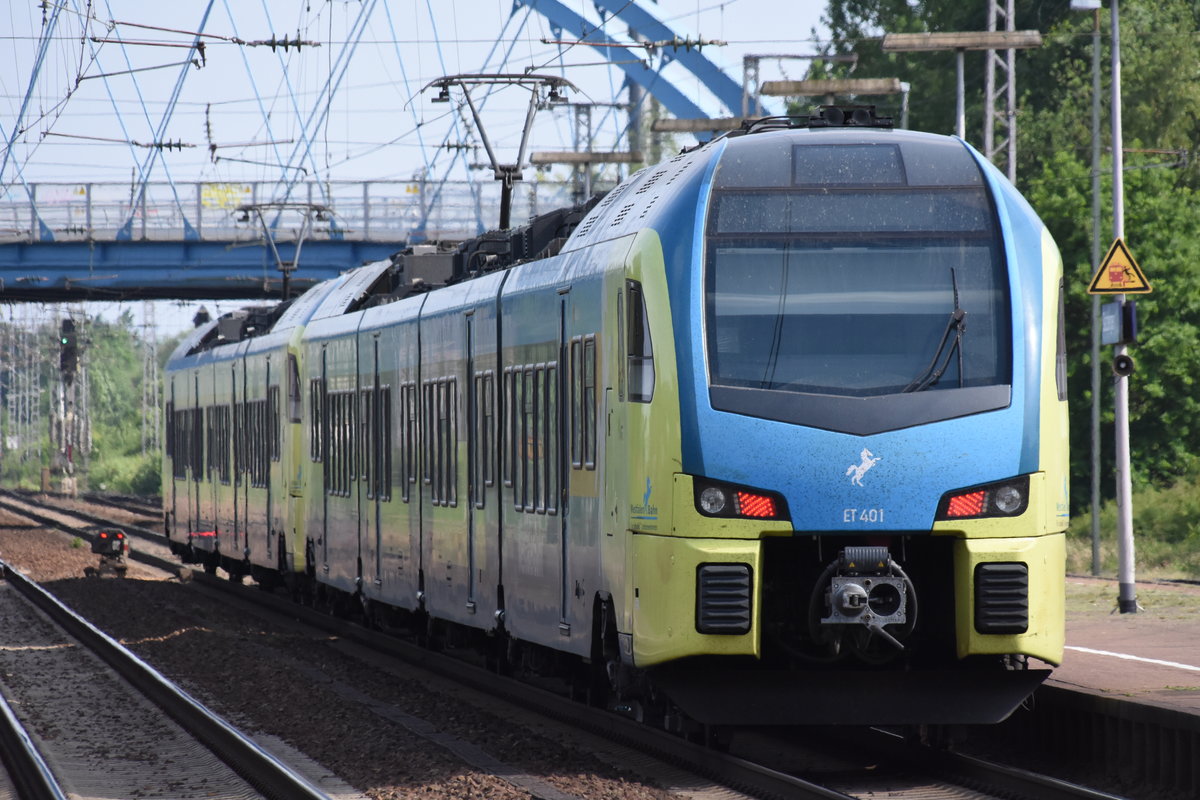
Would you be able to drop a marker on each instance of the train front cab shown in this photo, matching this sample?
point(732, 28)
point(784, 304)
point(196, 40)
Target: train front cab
point(726, 581)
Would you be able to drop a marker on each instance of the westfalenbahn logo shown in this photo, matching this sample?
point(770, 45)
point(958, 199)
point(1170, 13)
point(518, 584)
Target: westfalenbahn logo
point(645, 510)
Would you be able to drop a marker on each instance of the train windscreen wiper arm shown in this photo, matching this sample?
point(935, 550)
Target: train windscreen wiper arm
point(956, 325)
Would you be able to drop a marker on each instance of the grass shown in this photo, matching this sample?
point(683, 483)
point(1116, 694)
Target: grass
point(1087, 597)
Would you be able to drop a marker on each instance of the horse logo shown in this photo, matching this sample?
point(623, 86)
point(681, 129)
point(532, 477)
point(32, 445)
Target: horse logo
point(856, 471)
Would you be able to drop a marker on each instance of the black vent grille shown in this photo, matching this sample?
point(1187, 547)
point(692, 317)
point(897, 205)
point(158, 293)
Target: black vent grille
point(723, 593)
point(1002, 598)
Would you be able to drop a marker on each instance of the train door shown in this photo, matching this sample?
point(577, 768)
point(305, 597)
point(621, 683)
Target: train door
point(241, 396)
point(472, 457)
point(212, 517)
point(172, 472)
point(615, 461)
point(239, 438)
point(272, 457)
point(373, 424)
point(555, 406)
point(326, 462)
point(197, 460)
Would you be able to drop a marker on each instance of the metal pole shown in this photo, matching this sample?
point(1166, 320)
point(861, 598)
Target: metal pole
point(1010, 102)
point(960, 114)
point(1096, 298)
point(1127, 598)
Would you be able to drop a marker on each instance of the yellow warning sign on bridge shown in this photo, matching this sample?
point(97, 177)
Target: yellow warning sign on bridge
point(1119, 273)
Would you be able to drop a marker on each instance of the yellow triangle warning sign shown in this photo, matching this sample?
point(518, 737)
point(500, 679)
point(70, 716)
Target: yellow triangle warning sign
point(1119, 273)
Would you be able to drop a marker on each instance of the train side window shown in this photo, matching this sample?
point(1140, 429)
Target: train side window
point(294, 404)
point(575, 401)
point(1060, 361)
point(273, 421)
point(217, 427)
point(256, 442)
point(490, 436)
point(589, 401)
point(327, 422)
point(640, 355)
point(335, 454)
point(351, 458)
point(316, 419)
point(441, 471)
point(226, 439)
point(621, 344)
point(441, 434)
point(383, 442)
point(537, 457)
point(239, 443)
point(366, 447)
point(528, 437)
point(427, 409)
point(484, 423)
point(181, 453)
point(210, 420)
point(334, 467)
point(550, 443)
point(250, 423)
point(197, 426)
point(339, 444)
point(510, 428)
point(169, 435)
point(408, 433)
point(452, 442)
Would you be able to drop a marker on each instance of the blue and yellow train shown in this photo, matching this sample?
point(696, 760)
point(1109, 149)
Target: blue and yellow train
point(775, 432)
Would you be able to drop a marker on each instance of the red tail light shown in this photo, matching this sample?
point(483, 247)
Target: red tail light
point(966, 505)
point(756, 505)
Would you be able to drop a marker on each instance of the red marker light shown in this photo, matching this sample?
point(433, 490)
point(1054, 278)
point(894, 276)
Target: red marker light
point(966, 505)
point(755, 505)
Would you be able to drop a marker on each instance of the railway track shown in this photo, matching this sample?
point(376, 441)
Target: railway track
point(101, 733)
point(27, 775)
point(796, 769)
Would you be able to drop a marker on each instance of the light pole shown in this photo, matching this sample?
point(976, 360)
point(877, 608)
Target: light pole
point(1127, 596)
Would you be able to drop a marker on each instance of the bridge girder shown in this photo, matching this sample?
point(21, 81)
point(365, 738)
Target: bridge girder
point(139, 270)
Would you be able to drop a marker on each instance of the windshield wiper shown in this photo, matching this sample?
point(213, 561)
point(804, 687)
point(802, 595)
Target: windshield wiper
point(956, 325)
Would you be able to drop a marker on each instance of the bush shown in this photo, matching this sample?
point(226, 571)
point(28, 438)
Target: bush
point(136, 474)
point(1166, 533)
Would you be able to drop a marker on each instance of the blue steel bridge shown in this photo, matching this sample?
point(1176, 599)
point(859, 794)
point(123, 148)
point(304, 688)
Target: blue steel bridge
point(71, 241)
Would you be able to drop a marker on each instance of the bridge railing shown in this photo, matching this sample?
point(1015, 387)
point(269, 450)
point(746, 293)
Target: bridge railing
point(370, 211)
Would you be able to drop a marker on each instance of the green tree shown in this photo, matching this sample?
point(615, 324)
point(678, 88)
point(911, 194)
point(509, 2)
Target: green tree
point(114, 356)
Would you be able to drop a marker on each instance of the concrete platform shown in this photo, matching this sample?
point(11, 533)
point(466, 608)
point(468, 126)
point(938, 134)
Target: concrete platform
point(1151, 657)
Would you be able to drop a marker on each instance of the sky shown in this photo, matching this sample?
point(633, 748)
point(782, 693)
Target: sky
point(115, 96)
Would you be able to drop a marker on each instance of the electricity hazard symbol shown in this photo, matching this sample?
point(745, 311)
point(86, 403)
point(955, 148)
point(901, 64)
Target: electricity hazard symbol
point(1119, 273)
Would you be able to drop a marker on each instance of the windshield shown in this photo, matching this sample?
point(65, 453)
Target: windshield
point(858, 270)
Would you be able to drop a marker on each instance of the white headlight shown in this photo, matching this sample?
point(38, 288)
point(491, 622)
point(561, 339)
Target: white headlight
point(1008, 499)
point(713, 500)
